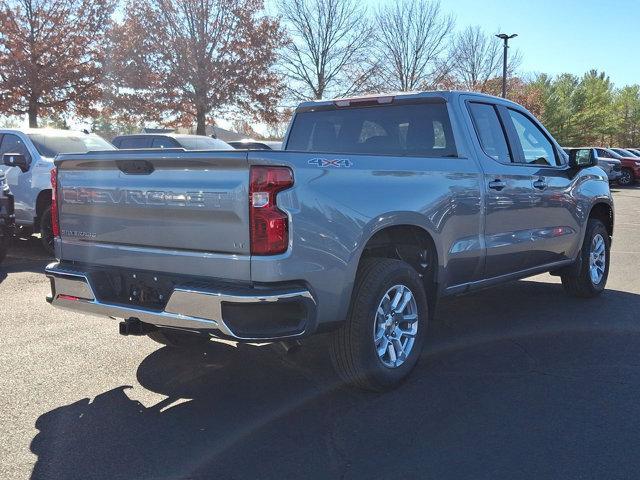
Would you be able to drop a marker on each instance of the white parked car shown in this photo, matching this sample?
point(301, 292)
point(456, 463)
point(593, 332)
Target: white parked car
point(27, 160)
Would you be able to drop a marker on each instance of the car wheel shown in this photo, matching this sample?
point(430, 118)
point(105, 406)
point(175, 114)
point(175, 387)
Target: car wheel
point(626, 178)
point(383, 336)
point(178, 339)
point(589, 276)
point(46, 231)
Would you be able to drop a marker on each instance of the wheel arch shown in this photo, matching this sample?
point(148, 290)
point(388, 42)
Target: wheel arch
point(604, 212)
point(43, 201)
point(409, 242)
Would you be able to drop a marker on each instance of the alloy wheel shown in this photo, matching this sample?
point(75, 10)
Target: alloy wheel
point(395, 326)
point(597, 259)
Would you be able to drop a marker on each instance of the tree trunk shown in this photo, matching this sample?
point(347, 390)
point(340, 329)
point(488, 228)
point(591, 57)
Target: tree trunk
point(201, 119)
point(33, 114)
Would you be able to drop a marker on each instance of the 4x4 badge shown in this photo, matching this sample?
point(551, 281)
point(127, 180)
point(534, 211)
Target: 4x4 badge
point(331, 162)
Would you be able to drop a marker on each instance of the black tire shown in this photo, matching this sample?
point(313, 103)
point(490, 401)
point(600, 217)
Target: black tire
point(4, 246)
point(627, 178)
point(352, 348)
point(577, 279)
point(46, 231)
point(177, 339)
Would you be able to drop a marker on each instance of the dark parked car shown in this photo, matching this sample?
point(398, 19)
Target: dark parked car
point(169, 140)
point(256, 145)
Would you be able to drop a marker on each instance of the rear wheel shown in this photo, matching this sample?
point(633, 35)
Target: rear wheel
point(626, 178)
point(46, 231)
point(589, 276)
point(383, 336)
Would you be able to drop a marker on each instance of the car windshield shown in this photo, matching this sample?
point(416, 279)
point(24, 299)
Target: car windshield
point(195, 142)
point(50, 145)
point(623, 152)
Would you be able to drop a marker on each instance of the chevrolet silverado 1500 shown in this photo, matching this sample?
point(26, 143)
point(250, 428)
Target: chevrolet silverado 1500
point(376, 207)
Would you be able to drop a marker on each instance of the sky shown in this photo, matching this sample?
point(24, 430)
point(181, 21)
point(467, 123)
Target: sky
point(557, 36)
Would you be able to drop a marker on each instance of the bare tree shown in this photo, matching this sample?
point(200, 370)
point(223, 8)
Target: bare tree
point(189, 59)
point(411, 43)
point(477, 58)
point(327, 53)
point(52, 54)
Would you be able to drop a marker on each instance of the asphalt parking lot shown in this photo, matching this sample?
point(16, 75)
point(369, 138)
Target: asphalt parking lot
point(519, 381)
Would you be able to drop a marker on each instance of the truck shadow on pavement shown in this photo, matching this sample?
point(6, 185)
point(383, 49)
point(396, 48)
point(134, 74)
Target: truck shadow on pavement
point(25, 255)
point(516, 382)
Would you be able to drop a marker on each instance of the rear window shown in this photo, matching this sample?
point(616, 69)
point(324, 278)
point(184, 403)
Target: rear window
point(421, 129)
point(133, 142)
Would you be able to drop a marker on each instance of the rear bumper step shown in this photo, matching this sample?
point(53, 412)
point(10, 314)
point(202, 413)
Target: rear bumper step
point(242, 314)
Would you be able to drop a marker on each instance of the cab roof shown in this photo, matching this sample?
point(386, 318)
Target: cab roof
point(390, 97)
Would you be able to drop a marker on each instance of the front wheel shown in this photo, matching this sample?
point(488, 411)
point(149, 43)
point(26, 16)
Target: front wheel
point(46, 231)
point(626, 178)
point(383, 336)
point(589, 276)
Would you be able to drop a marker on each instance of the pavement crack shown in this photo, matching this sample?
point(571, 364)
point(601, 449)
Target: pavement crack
point(533, 361)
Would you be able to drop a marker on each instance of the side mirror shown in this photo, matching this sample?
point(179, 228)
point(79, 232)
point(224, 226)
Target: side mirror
point(582, 158)
point(16, 160)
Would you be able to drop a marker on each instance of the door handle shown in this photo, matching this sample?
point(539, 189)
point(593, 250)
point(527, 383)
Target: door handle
point(497, 184)
point(540, 184)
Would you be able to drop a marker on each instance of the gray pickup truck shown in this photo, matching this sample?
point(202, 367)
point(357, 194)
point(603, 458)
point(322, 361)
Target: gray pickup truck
point(376, 207)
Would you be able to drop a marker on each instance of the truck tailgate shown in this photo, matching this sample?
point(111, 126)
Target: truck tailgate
point(175, 211)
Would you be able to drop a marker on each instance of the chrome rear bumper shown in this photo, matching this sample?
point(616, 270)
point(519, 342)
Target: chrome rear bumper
point(186, 308)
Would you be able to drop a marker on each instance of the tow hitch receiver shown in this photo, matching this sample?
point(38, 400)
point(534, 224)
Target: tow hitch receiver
point(133, 326)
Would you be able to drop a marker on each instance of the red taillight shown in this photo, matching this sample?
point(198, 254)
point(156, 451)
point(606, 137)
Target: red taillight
point(55, 226)
point(269, 224)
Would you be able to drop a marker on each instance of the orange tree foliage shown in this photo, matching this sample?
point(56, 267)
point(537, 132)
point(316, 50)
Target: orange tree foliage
point(186, 60)
point(51, 56)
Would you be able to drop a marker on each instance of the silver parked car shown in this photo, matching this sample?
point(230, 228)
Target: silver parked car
point(611, 166)
point(608, 160)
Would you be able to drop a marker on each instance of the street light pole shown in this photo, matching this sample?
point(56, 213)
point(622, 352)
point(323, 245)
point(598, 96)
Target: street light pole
point(504, 37)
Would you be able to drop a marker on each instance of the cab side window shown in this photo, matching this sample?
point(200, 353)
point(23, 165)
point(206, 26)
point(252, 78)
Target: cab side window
point(536, 147)
point(13, 144)
point(490, 132)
